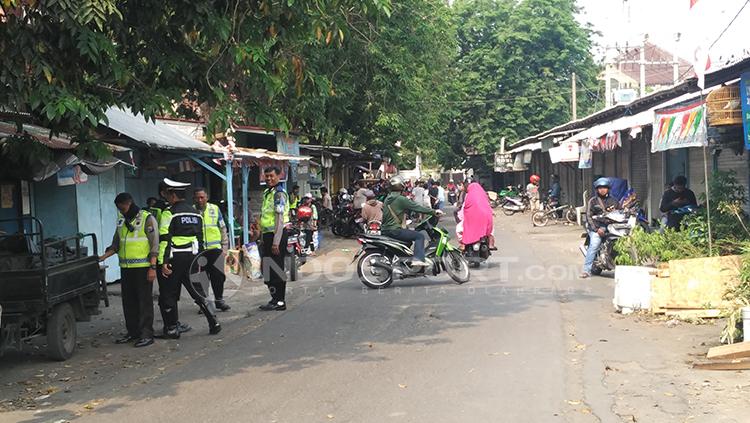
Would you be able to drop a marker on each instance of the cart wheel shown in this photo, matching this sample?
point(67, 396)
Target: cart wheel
point(61, 332)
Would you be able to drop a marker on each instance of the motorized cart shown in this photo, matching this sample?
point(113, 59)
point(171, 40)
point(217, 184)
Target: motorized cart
point(46, 286)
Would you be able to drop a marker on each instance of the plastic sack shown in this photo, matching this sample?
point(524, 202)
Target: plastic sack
point(232, 263)
point(251, 262)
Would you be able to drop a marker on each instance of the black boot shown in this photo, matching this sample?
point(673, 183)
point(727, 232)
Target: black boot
point(221, 305)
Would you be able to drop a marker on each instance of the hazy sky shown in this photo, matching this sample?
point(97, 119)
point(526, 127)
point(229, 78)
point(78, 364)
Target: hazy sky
point(662, 19)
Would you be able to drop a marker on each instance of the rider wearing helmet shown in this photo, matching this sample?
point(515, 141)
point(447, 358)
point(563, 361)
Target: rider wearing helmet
point(599, 204)
point(395, 206)
point(532, 190)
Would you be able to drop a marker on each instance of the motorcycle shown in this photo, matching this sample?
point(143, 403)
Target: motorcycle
point(346, 220)
point(478, 252)
point(494, 199)
point(381, 258)
point(513, 205)
point(452, 197)
point(509, 191)
point(373, 228)
point(619, 224)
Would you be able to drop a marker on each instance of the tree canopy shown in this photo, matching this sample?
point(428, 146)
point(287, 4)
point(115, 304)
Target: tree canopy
point(513, 72)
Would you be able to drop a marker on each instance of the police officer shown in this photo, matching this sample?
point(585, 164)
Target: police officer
point(274, 215)
point(217, 242)
point(184, 241)
point(136, 243)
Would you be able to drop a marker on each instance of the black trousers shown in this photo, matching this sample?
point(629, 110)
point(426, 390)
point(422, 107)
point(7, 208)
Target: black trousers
point(274, 273)
point(169, 291)
point(215, 271)
point(137, 302)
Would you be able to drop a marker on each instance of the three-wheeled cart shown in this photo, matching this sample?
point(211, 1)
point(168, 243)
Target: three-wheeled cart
point(46, 286)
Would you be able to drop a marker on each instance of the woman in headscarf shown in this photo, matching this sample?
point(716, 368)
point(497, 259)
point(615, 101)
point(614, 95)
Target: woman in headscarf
point(477, 216)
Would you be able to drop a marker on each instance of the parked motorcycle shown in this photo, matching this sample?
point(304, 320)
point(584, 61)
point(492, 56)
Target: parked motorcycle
point(478, 252)
point(494, 199)
point(513, 205)
point(509, 191)
point(619, 224)
point(346, 220)
point(382, 258)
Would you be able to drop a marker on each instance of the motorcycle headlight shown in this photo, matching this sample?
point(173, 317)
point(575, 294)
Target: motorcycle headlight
point(475, 247)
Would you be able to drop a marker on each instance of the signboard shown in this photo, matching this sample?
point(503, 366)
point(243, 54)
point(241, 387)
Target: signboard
point(745, 97)
point(568, 151)
point(503, 162)
point(680, 127)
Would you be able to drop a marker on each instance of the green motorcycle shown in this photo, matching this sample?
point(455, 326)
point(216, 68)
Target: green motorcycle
point(382, 258)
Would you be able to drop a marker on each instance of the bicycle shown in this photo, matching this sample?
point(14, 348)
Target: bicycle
point(557, 212)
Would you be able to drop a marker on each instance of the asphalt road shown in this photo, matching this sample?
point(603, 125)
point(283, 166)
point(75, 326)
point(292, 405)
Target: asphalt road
point(523, 341)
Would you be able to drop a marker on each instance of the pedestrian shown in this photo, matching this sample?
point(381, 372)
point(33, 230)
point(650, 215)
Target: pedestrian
point(441, 195)
point(184, 242)
point(310, 225)
point(372, 211)
point(136, 243)
point(418, 193)
point(675, 198)
point(327, 203)
point(217, 244)
point(359, 196)
point(555, 194)
point(294, 197)
point(532, 190)
point(274, 215)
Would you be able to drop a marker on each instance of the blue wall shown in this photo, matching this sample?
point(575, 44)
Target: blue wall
point(56, 207)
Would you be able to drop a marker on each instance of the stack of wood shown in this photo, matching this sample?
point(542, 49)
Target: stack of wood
point(694, 288)
point(726, 357)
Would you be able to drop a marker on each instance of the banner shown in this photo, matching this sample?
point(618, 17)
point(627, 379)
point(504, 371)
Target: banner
point(585, 160)
point(566, 152)
point(745, 97)
point(680, 127)
point(607, 142)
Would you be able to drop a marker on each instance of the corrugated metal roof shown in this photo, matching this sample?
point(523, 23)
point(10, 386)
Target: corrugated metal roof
point(152, 134)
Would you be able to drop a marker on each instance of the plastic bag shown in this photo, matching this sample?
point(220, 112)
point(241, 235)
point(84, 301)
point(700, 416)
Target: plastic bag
point(232, 264)
point(251, 262)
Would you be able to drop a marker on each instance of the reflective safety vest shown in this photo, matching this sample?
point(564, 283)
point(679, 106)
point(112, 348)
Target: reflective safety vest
point(268, 210)
point(166, 219)
point(212, 222)
point(156, 212)
point(134, 246)
point(295, 202)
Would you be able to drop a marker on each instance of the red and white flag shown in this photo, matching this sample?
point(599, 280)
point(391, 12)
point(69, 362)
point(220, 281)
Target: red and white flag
point(701, 57)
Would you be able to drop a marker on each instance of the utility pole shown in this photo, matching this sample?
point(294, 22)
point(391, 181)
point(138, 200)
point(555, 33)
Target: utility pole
point(643, 66)
point(573, 100)
point(675, 61)
point(607, 85)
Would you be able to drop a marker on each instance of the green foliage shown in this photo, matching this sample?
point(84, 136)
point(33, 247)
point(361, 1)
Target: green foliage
point(387, 83)
point(24, 150)
point(739, 296)
point(513, 72)
point(644, 248)
point(728, 219)
point(65, 62)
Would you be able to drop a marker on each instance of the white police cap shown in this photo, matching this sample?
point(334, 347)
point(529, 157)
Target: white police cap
point(175, 186)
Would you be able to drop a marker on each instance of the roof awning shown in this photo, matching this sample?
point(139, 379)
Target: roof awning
point(639, 119)
point(528, 147)
point(152, 134)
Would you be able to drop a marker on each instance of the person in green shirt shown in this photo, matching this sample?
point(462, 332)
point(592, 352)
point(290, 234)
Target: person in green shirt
point(395, 206)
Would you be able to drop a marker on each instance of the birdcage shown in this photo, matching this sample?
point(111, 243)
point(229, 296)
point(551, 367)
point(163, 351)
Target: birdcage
point(724, 107)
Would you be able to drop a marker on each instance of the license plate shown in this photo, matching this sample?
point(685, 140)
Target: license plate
point(292, 240)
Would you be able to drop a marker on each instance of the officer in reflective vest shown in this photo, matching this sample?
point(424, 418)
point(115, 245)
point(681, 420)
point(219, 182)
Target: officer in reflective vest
point(217, 242)
point(136, 243)
point(184, 242)
point(273, 218)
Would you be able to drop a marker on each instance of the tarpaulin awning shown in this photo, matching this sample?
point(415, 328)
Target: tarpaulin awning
point(152, 134)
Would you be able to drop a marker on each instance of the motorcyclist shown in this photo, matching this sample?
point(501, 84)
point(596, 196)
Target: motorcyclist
point(395, 207)
point(532, 190)
point(599, 204)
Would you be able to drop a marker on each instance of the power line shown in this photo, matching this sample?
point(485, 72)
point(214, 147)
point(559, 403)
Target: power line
point(730, 23)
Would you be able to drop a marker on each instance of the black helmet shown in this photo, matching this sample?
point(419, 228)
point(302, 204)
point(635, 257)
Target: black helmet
point(396, 183)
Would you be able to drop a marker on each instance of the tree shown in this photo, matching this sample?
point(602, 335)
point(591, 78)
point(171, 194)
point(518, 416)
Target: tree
point(513, 72)
point(65, 62)
point(387, 84)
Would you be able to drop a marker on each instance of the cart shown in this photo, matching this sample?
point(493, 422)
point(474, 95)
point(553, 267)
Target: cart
point(47, 286)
